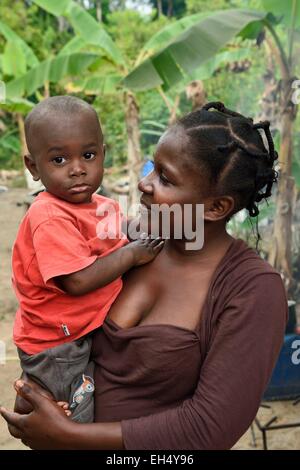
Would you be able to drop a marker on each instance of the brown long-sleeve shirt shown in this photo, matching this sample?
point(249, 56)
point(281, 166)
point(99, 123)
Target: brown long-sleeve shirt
point(174, 388)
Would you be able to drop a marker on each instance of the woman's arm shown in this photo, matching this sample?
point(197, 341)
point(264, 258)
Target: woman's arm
point(47, 426)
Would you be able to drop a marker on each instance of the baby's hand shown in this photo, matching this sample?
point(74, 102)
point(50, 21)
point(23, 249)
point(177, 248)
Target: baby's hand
point(65, 406)
point(145, 249)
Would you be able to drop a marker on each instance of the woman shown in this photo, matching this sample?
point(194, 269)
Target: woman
point(189, 346)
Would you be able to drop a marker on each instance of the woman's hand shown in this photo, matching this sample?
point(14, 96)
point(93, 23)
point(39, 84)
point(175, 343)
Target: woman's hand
point(46, 427)
point(23, 407)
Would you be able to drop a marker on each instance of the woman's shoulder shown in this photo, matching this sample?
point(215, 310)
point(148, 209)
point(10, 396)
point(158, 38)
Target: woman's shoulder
point(241, 259)
point(247, 283)
point(241, 268)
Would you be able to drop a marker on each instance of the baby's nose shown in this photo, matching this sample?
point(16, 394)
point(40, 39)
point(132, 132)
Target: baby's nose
point(78, 169)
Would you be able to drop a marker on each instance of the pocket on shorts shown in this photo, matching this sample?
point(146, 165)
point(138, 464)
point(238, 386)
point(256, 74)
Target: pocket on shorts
point(73, 352)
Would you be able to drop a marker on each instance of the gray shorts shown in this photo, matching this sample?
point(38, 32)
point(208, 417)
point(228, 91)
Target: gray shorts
point(66, 372)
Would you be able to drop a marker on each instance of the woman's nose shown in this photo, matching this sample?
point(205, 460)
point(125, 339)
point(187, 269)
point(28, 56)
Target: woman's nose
point(145, 184)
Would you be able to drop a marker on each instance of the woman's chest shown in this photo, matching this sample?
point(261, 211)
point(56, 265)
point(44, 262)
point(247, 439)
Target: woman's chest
point(159, 293)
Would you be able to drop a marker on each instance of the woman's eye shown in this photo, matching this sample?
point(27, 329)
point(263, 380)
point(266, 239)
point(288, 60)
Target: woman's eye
point(163, 179)
point(59, 160)
point(89, 155)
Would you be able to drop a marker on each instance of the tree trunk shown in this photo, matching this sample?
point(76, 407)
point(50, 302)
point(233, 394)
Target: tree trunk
point(159, 8)
point(173, 111)
point(24, 149)
point(46, 89)
point(62, 24)
point(170, 8)
point(99, 10)
point(134, 149)
point(196, 94)
point(281, 255)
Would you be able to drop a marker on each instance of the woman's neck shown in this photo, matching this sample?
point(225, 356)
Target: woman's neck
point(216, 243)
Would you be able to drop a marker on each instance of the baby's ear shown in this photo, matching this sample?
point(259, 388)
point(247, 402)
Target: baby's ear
point(31, 165)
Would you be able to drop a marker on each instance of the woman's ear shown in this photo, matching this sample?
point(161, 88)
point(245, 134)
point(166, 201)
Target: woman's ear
point(218, 208)
point(31, 165)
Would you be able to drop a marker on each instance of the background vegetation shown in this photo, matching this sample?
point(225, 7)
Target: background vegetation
point(250, 80)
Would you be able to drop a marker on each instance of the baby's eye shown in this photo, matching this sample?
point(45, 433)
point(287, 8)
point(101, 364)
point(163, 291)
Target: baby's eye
point(89, 155)
point(59, 160)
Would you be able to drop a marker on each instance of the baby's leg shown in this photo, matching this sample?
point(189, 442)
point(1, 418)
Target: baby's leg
point(82, 396)
point(65, 372)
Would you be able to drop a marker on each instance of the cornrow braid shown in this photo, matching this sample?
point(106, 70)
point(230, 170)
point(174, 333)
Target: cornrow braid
point(265, 125)
point(221, 107)
point(231, 148)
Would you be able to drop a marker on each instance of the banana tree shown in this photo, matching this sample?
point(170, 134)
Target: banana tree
point(169, 66)
point(281, 253)
point(19, 62)
point(170, 57)
point(16, 58)
point(177, 50)
point(174, 53)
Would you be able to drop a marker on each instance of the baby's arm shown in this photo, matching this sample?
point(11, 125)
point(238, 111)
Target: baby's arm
point(107, 269)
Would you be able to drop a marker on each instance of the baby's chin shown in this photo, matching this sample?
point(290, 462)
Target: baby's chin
point(83, 197)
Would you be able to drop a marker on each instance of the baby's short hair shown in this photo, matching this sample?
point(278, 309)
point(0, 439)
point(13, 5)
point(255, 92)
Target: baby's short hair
point(55, 105)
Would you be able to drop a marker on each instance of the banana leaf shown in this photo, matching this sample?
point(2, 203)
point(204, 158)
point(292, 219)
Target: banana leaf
point(11, 36)
point(190, 49)
point(84, 25)
point(51, 70)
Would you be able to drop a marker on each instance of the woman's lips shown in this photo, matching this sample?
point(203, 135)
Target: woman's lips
point(79, 189)
point(144, 205)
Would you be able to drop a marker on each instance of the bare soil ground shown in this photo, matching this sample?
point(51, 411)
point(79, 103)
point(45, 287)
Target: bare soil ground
point(10, 216)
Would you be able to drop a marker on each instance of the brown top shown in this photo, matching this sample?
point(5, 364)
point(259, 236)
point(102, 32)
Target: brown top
point(174, 388)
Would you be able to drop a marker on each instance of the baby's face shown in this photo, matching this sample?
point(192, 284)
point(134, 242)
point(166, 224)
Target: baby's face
point(68, 155)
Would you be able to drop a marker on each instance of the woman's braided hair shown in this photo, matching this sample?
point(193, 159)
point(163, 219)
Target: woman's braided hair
point(232, 149)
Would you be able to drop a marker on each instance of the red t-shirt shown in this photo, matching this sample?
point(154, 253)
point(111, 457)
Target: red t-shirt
point(55, 238)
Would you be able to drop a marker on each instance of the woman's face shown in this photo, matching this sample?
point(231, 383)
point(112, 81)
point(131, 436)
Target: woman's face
point(175, 180)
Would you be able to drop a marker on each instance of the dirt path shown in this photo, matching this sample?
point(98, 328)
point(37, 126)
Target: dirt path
point(10, 216)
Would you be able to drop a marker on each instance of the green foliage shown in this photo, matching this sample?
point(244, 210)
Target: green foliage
point(152, 108)
point(287, 11)
point(174, 8)
point(83, 24)
point(192, 48)
point(197, 6)
point(243, 91)
point(131, 31)
point(111, 113)
point(10, 149)
point(49, 70)
point(13, 60)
